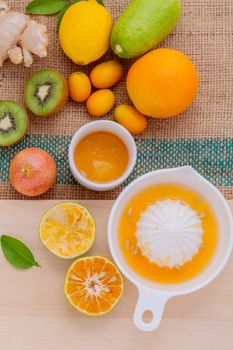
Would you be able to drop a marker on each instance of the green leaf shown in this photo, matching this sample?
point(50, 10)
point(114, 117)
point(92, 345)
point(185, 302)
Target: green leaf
point(100, 2)
point(45, 7)
point(17, 253)
point(62, 12)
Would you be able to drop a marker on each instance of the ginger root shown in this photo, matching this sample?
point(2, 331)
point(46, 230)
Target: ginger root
point(20, 37)
point(16, 55)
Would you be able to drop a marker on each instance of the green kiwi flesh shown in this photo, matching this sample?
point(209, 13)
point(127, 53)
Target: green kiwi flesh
point(46, 92)
point(13, 122)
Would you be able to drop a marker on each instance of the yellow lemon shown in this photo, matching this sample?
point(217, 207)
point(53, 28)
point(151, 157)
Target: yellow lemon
point(85, 31)
point(67, 230)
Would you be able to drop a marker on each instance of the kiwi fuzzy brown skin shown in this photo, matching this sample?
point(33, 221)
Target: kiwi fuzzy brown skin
point(26, 130)
point(63, 98)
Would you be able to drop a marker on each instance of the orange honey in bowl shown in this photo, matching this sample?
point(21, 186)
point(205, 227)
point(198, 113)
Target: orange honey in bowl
point(168, 233)
point(101, 157)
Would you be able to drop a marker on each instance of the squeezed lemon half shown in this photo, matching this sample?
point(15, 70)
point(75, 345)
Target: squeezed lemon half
point(67, 230)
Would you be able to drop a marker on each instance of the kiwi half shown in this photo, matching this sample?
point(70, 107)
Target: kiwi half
point(46, 92)
point(13, 122)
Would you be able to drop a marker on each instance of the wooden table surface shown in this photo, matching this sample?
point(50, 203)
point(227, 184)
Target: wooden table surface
point(35, 315)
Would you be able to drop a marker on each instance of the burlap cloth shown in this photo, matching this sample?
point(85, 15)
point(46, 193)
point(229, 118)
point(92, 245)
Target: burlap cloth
point(201, 137)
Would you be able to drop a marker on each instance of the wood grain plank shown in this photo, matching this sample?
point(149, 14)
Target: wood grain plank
point(34, 313)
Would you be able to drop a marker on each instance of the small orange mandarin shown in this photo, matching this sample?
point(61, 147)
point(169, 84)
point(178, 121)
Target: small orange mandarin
point(106, 74)
point(79, 86)
point(163, 83)
point(130, 118)
point(100, 102)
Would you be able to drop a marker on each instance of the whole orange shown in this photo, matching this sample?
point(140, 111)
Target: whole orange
point(163, 83)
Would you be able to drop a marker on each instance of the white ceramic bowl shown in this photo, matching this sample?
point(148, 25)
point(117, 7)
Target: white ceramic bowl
point(153, 296)
point(107, 126)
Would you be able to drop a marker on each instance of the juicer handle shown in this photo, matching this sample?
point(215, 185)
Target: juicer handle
point(149, 301)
